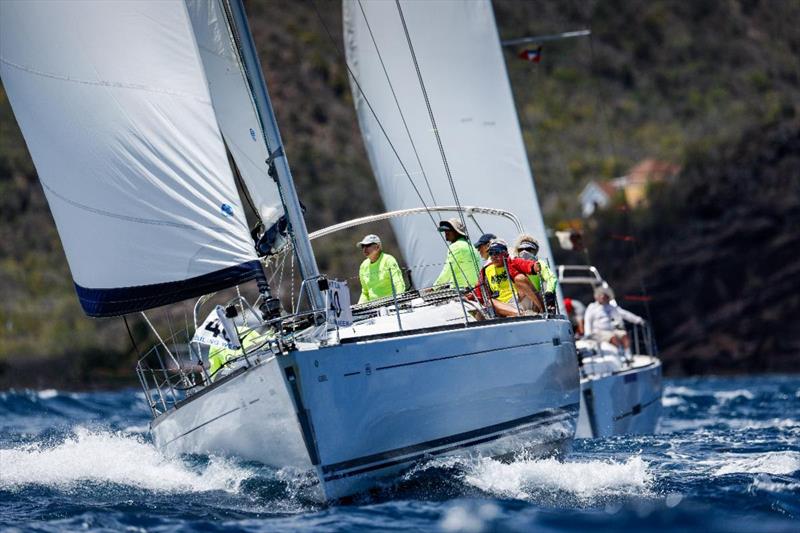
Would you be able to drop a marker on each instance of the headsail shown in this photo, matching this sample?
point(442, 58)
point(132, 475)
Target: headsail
point(114, 105)
point(462, 66)
point(235, 107)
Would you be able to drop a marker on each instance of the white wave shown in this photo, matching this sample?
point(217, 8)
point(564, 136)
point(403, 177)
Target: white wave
point(671, 401)
point(670, 390)
point(585, 480)
point(47, 394)
point(778, 463)
point(144, 428)
point(773, 423)
point(729, 395)
point(112, 458)
point(766, 483)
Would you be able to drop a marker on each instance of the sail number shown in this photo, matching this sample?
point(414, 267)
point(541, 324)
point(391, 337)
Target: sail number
point(339, 313)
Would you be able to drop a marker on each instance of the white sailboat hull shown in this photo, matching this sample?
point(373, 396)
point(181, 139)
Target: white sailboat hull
point(248, 415)
point(362, 410)
point(627, 402)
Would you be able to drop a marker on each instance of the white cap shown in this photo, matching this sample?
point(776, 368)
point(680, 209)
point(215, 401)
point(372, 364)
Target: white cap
point(369, 239)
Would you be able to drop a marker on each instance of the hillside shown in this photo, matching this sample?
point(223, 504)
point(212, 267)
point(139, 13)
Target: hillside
point(654, 80)
point(717, 255)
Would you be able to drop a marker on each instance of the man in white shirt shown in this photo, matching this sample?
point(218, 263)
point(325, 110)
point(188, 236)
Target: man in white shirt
point(605, 322)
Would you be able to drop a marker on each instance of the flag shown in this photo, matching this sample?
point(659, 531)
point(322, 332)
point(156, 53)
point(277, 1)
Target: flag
point(534, 56)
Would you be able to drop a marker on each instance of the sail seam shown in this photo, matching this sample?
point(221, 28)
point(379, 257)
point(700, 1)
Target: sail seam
point(101, 83)
point(128, 218)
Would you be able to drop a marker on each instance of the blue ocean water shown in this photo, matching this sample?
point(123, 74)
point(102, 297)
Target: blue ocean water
point(726, 458)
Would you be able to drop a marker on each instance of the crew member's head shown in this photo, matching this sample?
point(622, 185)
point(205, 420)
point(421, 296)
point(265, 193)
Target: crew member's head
point(498, 252)
point(528, 249)
point(482, 244)
point(603, 295)
point(453, 229)
point(370, 247)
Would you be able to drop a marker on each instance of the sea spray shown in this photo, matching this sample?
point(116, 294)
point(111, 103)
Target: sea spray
point(102, 456)
point(584, 480)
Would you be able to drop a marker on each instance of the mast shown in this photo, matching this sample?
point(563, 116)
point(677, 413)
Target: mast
point(279, 165)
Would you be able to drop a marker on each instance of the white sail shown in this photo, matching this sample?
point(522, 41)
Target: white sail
point(234, 106)
point(113, 103)
point(463, 69)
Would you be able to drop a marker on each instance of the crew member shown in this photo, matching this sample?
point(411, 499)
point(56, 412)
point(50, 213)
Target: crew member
point(221, 360)
point(544, 281)
point(482, 245)
point(462, 259)
point(378, 272)
point(497, 281)
point(606, 323)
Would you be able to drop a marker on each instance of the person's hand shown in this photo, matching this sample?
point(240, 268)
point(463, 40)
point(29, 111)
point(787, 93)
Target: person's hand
point(537, 267)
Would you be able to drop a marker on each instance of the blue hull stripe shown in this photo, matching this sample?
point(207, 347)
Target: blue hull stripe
point(123, 300)
point(426, 448)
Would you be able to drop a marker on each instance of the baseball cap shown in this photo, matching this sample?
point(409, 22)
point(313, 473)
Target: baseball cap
point(369, 239)
point(486, 238)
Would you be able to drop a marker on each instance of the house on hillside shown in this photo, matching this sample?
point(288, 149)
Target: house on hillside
point(642, 175)
point(597, 195)
point(632, 186)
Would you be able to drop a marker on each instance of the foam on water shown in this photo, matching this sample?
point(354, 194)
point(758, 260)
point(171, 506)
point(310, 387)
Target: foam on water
point(671, 401)
point(730, 395)
point(766, 483)
point(584, 480)
point(779, 463)
point(47, 394)
point(102, 456)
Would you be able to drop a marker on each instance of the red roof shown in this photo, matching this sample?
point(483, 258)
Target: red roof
point(652, 170)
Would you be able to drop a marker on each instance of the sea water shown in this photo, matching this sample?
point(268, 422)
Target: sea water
point(726, 458)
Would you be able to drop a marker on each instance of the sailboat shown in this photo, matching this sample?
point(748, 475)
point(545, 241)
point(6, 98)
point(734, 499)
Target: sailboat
point(141, 119)
point(413, 62)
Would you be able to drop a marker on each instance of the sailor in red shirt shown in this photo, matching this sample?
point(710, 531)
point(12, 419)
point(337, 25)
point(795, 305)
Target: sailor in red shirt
point(494, 281)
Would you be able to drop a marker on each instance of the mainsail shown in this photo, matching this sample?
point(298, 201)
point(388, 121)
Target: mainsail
point(461, 65)
point(114, 104)
point(234, 105)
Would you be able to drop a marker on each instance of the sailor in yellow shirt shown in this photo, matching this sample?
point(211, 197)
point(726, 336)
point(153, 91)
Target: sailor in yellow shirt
point(378, 271)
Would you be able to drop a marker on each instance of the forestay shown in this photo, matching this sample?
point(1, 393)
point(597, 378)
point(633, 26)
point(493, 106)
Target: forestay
point(234, 105)
point(463, 69)
point(114, 105)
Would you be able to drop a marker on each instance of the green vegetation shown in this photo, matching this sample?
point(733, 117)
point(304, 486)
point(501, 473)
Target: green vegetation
point(680, 81)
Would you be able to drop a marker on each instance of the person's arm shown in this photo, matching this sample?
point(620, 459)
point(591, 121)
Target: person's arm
point(588, 321)
point(630, 317)
point(364, 291)
point(477, 292)
point(446, 276)
point(396, 275)
point(526, 266)
point(550, 279)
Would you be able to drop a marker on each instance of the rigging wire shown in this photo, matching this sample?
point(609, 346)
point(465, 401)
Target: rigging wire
point(130, 334)
point(435, 127)
point(430, 112)
point(353, 77)
point(396, 101)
